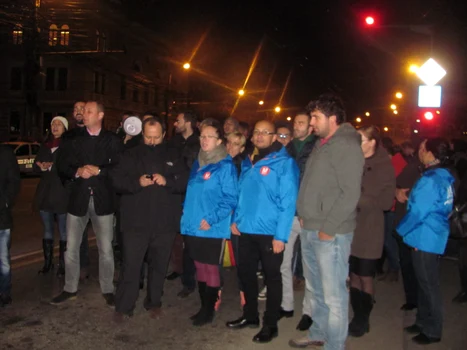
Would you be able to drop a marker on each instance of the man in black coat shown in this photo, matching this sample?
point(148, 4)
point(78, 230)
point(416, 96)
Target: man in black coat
point(151, 178)
point(9, 188)
point(86, 161)
point(186, 141)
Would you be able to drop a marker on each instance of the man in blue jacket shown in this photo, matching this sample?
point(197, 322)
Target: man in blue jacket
point(268, 189)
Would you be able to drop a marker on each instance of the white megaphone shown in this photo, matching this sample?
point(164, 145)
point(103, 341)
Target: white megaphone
point(132, 126)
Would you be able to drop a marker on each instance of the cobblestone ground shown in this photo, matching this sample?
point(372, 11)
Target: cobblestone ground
point(31, 323)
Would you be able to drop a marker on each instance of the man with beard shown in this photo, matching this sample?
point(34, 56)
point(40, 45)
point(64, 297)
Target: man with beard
point(78, 111)
point(150, 177)
point(187, 142)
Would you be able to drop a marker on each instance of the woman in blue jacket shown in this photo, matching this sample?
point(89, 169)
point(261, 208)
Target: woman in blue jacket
point(425, 228)
point(210, 199)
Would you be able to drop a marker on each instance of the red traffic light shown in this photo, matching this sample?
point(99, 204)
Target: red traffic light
point(370, 20)
point(428, 115)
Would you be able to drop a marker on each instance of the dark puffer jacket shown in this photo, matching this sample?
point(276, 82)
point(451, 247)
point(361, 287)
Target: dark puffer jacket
point(9, 185)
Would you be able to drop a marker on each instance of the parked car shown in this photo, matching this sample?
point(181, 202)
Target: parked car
point(25, 154)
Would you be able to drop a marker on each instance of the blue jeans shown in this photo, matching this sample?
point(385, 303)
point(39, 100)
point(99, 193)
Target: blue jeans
point(326, 268)
point(390, 243)
point(5, 269)
point(48, 219)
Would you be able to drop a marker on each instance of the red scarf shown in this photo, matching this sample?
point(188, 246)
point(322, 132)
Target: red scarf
point(55, 142)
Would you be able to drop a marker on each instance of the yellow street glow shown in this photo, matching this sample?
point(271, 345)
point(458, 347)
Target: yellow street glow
point(395, 112)
point(399, 95)
point(393, 106)
point(277, 109)
point(386, 128)
point(241, 92)
point(358, 120)
point(187, 66)
point(261, 102)
point(367, 114)
point(413, 68)
point(289, 118)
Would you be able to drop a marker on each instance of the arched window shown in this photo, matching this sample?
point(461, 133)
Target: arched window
point(53, 35)
point(18, 34)
point(65, 35)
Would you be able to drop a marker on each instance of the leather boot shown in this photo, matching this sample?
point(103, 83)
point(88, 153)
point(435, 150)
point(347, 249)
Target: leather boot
point(362, 324)
point(61, 259)
point(207, 311)
point(202, 292)
point(356, 302)
point(48, 249)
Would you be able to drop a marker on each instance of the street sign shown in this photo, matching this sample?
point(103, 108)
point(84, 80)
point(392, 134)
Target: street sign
point(431, 72)
point(429, 96)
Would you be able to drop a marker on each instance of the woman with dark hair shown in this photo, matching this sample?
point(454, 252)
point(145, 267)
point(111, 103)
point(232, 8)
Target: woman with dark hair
point(51, 198)
point(210, 199)
point(425, 228)
point(378, 187)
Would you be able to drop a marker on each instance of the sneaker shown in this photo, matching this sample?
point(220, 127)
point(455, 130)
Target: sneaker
point(62, 297)
point(109, 299)
point(263, 294)
point(306, 343)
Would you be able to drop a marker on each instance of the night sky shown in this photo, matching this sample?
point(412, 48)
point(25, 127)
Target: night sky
point(324, 44)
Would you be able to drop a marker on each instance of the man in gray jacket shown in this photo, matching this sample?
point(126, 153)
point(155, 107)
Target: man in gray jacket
point(327, 207)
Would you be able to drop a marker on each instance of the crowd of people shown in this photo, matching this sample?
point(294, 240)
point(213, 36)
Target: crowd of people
point(317, 198)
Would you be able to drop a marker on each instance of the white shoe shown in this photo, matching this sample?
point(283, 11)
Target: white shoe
point(263, 294)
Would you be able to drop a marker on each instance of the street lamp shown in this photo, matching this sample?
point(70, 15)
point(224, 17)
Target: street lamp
point(393, 106)
point(186, 66)
point(277, 109)
point(289, 118)
point(399, 95)
point(241, 92)
point(386, 129)
point(261, 102)
point(370, 20)
point(358, 120)
point(395, 112)
point(413, 68)
point(367, 114)
point(418, 120)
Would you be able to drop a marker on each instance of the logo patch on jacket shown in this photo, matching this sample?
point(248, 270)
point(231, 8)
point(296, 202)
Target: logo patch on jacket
point(207, 175)
point(264, 171)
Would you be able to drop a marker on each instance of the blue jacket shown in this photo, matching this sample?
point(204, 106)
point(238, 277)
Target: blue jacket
point(426, 224)
point(267, 196)
point(211, 195)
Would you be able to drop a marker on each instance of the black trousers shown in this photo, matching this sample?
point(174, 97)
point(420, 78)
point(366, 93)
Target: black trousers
point(463, 263)
point(158, 248)
point(251, 249)
point(189, 270)
point(408, 274)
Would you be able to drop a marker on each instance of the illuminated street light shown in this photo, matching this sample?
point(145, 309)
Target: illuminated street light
point(289, 118)
point(277, 109)
point(393, 107)
point(386, 129)
point(428, 116)
point(358, 120)
point(415, 131)
point(399, 95)
point(418, 120)
point(241, 92)
point(395, 112)
point(261, 102)
point(413, 68)
point(187, 66)
point(438, 112)
point(367, 114)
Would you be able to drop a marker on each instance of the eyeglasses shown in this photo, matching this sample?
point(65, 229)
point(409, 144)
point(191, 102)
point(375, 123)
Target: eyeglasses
point(283, 136)
point(204, 137)
point(263, 132)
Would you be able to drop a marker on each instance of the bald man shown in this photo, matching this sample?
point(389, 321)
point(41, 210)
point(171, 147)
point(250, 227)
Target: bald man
point(263, 219)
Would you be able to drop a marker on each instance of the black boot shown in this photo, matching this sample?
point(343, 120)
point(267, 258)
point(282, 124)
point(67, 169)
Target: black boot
point(207, 311)
point(202, 292)
point(367, 306)
point(355, 325)
point(61, 259)
point(48, 248)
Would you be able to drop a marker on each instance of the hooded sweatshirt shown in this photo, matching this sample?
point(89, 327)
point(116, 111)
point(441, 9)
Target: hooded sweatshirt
point(331, 184)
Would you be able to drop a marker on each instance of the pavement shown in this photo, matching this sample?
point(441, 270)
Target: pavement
point(86, 323)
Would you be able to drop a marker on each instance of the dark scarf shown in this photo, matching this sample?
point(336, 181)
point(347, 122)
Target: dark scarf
point(54, 143)
point(215, 156)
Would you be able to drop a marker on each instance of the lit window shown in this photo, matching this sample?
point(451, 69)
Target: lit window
point(65, 35)
point(18, 35)
point(53, 35)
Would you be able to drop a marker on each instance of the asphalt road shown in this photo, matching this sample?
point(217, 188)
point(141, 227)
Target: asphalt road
point(31, 323)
